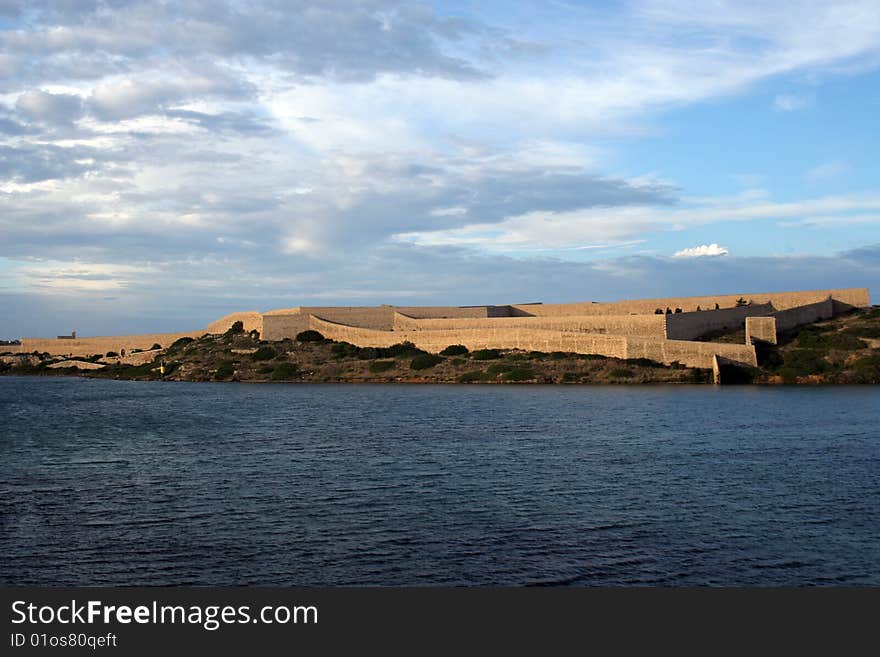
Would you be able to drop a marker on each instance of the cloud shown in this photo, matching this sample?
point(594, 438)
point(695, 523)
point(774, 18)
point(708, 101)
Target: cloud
point(790, 102)
point(38, 105)
point(704, 250)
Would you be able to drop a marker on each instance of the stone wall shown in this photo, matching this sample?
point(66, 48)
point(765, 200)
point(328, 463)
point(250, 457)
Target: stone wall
point(694, 354)
point(445, 312)
point(789, 319)
point(252, 321)
point(846, 297)
point(645, 325)
point(278, 327)
point(102, 345)
point(761, 328)
point(691, 325)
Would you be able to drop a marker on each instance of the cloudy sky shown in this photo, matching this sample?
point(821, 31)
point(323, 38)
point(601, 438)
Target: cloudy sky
point(164, 163)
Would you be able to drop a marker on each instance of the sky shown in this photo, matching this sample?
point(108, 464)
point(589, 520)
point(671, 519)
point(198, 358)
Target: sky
point(165, 163)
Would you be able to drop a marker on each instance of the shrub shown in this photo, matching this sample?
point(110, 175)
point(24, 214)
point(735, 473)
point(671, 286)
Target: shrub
point(457, 362)
point(593, 357)
point(801, 362)
point(471, 377)
point(237, 327)
point(872, 332)
point(658, 311)
point(817, 339)
point(284, 371)
point(867, 369)
point(345, 350)
point(425, 361)
point(264, 353)
point(378, 366)
point(518, 374)
point(155, 346)
point(700, 375)
point(741, 302)
point(309, 336)
point(573, 377)
point(485, 354)
point(111, 354)
point(177, 344)
point(454, 350)
point(677, 311)
point(621, 373)
point(368, 353)
point(225, 370)
point(400, 350)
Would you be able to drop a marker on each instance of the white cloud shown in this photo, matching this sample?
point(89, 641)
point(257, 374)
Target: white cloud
point(704, 250)
point(790, 102)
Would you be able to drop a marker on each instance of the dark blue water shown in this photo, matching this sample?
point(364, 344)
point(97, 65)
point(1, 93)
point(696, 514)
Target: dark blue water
point(109, 482)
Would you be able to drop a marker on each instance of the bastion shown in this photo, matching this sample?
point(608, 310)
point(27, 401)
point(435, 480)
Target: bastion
point(667, 330)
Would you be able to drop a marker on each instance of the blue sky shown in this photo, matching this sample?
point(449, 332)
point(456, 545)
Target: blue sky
point(162, 164)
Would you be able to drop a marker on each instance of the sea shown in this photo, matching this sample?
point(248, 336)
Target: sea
point(157, 483)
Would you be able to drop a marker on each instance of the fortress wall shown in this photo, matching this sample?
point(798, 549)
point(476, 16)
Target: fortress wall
point(443, 312)
point(687, 326)
point(646, 325)
point(761, 328)
point(856, 297)
point(101, 345)
point(788, 319)
point(252, 321)
point(374, 317)
point(278, 327)
point(694, 354)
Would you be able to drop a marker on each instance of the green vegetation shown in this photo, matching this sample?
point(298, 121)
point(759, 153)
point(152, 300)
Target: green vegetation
point(284, 371)
point(574, 377)
point(425, 361)
point(485, 354)
point(870, 332)
point(180, 342)
point(155, 346)
point(454, 350)
point(309, 336)
point(518, 374)
point(814, 337)
point(378, 366)
point(621, 373)
point(264, 353)
point(111, 354)
point(225, 370)
point(237, 327)
point(457, 362)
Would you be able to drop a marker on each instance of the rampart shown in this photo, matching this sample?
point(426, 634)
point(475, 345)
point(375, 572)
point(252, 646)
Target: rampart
point(645, 325)
point(693, 354)
point(251, 321)
point(788, 319)
point(690, 325)
point(761, 328)
point(846, 297)
point(102, 345)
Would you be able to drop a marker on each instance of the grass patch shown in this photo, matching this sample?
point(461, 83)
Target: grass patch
point(378, 366)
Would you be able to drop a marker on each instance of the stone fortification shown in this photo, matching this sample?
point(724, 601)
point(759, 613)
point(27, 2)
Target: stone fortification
point(693, 354)
point(692, 325)
point(645, 325)
point(625, 329)
point(846, 297)
point(250, 320)
point(103, 345)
